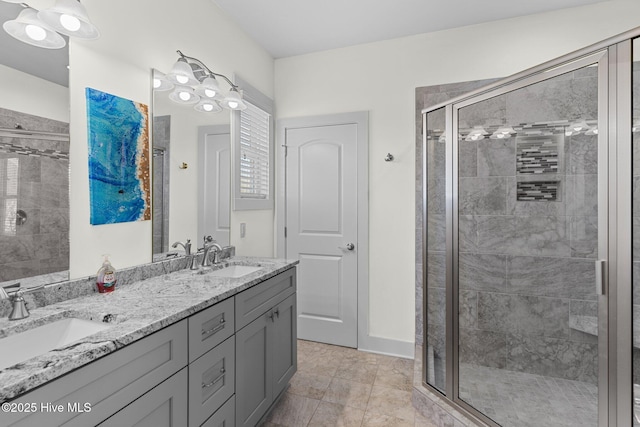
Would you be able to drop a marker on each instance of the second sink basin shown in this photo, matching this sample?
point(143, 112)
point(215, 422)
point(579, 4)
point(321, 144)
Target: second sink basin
point(233, 271)
point(34, 342)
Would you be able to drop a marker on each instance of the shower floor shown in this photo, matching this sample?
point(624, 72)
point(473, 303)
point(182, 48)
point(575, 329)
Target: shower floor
point(518, 399)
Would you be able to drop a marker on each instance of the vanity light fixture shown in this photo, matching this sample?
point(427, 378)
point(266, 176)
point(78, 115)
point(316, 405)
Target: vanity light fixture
point(503, 133)
point(476, 134)
point(29, 29)
point(161, 83)
point(184, 95)
point(191, 73)
point(70, 18)
point(43, 28)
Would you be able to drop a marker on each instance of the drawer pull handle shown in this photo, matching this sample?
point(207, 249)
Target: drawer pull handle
point(217, 380)
point(277, 312)
point(216, 329)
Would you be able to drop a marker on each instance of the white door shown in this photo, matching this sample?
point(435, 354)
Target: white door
point(322, 229)
point(215, 183)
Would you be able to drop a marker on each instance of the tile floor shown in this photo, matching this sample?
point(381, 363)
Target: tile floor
point(529, 400)
point(338, 386)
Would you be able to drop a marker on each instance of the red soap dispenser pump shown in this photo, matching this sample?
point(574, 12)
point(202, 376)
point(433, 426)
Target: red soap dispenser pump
point(106, 279)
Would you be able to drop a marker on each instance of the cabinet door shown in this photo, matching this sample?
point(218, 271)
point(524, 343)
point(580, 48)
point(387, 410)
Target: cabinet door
point(165, 405)
point(225, 417)
point(284, 346)
point(211, 382)
point(253, 379)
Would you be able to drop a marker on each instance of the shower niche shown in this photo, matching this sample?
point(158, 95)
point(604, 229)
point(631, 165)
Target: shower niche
point(526, 246)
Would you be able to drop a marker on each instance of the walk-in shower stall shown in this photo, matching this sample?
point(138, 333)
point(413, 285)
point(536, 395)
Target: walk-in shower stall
point(531, 243)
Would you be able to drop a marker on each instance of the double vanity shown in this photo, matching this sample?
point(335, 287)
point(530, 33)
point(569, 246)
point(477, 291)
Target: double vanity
point(185, 348)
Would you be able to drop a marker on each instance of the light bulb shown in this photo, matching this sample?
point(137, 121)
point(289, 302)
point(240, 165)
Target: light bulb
point(500, 135)
point(182, 79)
point(35, 32)
point(233, 104)
point(69, 22)
point(185, 96)
point(207, 107)
point(209, 93)
point(156, 83)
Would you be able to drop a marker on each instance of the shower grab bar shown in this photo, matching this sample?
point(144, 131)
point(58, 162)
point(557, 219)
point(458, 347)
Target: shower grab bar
point(601, 271)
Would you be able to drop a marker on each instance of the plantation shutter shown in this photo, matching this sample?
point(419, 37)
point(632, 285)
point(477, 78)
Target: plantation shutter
point(254, 153)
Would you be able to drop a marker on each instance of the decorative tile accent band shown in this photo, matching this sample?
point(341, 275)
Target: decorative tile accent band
point(8, 148)
point(533, 191)
point(537, 155)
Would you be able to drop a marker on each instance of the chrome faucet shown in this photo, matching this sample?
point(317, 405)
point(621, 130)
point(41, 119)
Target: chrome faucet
point(193, 258)
point(19, 309)
point(208, 244)
point(186, 246)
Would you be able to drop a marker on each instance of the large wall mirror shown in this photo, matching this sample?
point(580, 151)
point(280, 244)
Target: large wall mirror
point(34, 159)
point(179, 130)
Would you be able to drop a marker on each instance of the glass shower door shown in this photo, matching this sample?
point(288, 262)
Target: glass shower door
point(528, 178)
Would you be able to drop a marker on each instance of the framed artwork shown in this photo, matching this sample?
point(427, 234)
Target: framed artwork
point(119, 181)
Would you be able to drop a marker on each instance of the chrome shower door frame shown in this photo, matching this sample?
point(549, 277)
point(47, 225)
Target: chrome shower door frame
point(613, 58)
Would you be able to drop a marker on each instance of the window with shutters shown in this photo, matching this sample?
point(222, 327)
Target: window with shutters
point(255, 129)
point(252, 139)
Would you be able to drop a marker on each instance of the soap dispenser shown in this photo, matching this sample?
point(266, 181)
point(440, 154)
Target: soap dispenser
point(106, 280)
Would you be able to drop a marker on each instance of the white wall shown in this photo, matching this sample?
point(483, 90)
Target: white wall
point(146, 36)
point(382, 77)
point(32, 95)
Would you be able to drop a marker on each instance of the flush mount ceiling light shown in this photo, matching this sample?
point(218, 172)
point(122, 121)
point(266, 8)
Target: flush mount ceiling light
point(29, 29)
point(193, 79)
point(42, 28)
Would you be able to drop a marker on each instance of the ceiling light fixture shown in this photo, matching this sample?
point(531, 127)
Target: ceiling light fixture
point(43, 28)
point(194, 77)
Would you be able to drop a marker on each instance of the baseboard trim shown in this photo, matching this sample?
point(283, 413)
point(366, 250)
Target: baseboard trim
point(387, 346)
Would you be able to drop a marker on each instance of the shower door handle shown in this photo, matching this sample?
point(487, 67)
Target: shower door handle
point(601, 276)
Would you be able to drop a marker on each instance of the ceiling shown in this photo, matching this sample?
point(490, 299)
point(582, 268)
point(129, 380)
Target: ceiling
point(294, 27)
point(48, 64)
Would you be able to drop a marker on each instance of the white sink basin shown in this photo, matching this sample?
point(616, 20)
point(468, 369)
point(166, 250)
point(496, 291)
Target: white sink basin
point(34, 342)
point(234, 271)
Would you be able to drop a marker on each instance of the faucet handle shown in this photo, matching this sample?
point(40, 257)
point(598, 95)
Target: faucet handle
point(6, 290)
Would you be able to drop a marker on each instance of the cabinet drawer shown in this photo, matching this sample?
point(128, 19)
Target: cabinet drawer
point(165, 405)
point(225, 416)
point(210, 327)
point(211, 381)
point(110, 383)
point(253, 302)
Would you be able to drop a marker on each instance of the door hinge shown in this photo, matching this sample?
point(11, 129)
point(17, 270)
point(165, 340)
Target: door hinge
point(285, 232)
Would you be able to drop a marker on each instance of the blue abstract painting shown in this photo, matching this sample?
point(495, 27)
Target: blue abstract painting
point(119, 185)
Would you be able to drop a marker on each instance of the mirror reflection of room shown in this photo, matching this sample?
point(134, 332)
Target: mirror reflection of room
point(34, 159)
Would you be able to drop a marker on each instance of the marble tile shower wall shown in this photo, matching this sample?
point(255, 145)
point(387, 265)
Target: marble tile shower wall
point(524, 267)
point(35, 180)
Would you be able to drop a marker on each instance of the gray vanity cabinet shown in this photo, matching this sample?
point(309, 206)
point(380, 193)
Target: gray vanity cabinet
point(110, 383)
point(265, 347)
point(163, 406)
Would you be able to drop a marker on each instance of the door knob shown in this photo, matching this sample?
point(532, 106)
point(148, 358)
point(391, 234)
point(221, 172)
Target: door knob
point(349, 247)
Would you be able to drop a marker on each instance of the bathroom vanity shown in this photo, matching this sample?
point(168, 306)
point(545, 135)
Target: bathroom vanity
point(185, 349)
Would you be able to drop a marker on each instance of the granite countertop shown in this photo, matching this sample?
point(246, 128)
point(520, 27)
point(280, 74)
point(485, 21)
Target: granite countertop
point(138, 310)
